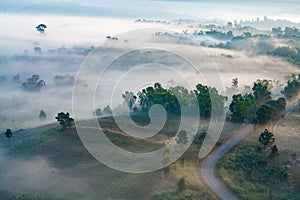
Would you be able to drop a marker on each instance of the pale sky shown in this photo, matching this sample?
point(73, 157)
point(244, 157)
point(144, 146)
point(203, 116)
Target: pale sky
point(159, 9)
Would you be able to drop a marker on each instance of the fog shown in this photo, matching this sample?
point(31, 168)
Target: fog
point(77, 60)
point(65, 46)
point(37, 176)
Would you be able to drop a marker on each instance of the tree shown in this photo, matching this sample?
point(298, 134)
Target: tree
point(235, 83)
point(107, 110)
point(98, 112)
point(41, 28)
point(42, 115)
point(33, 83)
point(261, 91)
point(130, 99)
point(266, 139)
point(64, 119)
point(182, 185)
point(292, 88)
point(8, 133)
point(278, 107)
point(264, 114)
point(243, 108)
point(38, 50)
point(205, 95)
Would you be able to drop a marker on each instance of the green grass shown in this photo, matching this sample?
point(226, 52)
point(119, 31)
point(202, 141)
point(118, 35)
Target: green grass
point(66, 154)
point(249, 180)
point(68, 158)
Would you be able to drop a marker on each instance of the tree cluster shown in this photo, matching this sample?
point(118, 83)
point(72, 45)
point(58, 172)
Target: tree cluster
point(258, 106)
point(292, 88)
point(176, 99)
point(64, 119)
point(34, 83)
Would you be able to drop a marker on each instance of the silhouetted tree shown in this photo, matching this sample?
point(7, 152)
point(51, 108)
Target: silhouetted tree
point(98, 112)
point(107, 110)
point(64, 119)
point(235, 83)
point(41, 28)
point(266, 139)
point(33, 83)
point(42, 115)
point(292, 88)
point(8, 133)
point(130, 99)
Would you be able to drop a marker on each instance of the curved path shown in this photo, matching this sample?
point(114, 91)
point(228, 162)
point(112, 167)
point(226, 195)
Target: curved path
point(208, 167)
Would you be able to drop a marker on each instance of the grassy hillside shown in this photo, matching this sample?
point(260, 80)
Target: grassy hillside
point(70, 160)
point(72, 173)
point(260, 183)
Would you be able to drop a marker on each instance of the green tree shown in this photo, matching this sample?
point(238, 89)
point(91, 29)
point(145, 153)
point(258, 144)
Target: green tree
point(8, 133)
point(292, 88)
point(278, 108)
point(205, 95)
point(261, 91)
point(264, 114)
point(243, 108)
point(158, 95)
point(266, 139)
point(107, 110)
point(130, 99)
point(64, 119)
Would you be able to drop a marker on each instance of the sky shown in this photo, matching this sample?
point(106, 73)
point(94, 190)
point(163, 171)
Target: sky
point(159, 9)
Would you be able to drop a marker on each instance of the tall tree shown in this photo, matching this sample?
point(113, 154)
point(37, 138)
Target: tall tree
point(107, 110)
point(264, 114)
point(243, 108)
point(261, 91)
point(235, 83)
point(130, 99)
point(42, 115)
point(8, 133)
point(266, 139)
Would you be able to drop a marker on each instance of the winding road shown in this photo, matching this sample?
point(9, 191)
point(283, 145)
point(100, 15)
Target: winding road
point(209, 164)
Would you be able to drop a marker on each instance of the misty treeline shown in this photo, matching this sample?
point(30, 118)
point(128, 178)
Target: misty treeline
point(256, 106)
point(176, 99)
point(35, 83)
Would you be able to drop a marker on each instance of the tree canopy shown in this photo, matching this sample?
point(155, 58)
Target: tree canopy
point(64, 119)
point(177, 99)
